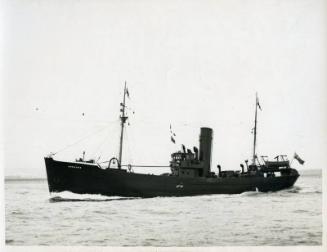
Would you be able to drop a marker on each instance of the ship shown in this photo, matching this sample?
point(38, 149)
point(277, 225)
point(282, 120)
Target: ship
point(190, 172)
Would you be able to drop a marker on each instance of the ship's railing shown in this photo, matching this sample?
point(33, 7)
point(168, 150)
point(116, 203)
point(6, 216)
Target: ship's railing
point(277, 164)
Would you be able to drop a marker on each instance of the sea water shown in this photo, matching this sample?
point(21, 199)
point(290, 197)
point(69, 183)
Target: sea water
point(291, 217)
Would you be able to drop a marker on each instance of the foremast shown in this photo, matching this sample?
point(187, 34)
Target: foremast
point(123, 119)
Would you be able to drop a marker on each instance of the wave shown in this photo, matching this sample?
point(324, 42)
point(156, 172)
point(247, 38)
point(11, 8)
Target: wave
point(285, 192)
point(294, 189)
point(303, 190)
point(251, 193)
point(60, 199)
point(73, 197)
point(17, 212)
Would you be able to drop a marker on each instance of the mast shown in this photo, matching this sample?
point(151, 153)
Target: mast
point(123, 119)
point(255, 129)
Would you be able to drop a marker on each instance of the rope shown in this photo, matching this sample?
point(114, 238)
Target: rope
point(98, 149)
point(80, 140)
point(60, 118)
point(139, 165)
point(291, 162)
point(148, 165)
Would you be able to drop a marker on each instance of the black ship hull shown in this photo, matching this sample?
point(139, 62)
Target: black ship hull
point(84, 178)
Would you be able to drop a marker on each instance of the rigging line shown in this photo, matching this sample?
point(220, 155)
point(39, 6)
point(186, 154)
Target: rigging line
point(138, 165)
point(94, 154)
point(80, 140)
point(148, 165)
point(128, 143)
point(189, 124)
point(291, 161)
point(109, 139)
point(56, 118)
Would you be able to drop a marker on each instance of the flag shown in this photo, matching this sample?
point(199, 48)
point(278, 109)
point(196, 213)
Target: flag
point(297, 157)
point(127, 92)
point(258, 104)
point(172, 134)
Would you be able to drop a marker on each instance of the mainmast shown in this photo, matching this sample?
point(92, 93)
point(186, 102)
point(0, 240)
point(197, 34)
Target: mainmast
point(255, 128)
point(123, 119)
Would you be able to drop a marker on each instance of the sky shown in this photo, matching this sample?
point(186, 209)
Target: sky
point(188, 64)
